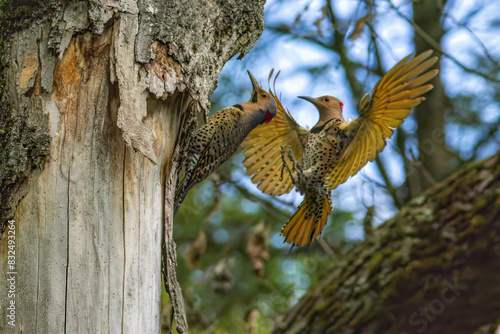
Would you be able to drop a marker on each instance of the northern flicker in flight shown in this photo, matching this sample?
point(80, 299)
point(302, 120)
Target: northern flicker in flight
point(215, 142)
point(281, 154)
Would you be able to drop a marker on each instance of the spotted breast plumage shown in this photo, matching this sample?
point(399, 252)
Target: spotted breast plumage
point(282, 155)
point(220, 137)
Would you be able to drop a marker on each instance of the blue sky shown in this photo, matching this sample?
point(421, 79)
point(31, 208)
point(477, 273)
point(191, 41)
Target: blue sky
point(292, 56)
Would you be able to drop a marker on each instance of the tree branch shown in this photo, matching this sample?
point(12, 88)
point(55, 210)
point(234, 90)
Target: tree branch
point(434, 265)
point(475, 37)
point(435, 45)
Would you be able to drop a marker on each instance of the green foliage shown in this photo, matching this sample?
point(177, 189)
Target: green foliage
point(225, 288)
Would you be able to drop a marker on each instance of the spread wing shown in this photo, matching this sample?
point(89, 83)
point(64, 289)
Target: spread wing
point(392, 100)
point(262, 150)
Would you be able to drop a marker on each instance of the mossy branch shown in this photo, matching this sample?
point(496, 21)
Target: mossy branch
point(433, 265)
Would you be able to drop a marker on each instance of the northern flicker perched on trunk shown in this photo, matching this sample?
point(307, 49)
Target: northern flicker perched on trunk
point(221, 136)
point(319, 160)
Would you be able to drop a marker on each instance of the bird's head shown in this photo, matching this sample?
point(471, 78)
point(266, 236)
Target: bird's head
point(328, 107)
point(263, 100)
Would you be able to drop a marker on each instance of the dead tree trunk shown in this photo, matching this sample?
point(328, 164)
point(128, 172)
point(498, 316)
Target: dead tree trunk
point(435, 266)
point(93, 96)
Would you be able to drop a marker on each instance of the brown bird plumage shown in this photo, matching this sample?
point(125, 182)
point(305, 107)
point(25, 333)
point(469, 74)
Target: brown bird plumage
point(221, 136)
point(317, 161)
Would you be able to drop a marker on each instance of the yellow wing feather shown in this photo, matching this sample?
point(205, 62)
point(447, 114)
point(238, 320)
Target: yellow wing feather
point(262, 150)
point(394, 95)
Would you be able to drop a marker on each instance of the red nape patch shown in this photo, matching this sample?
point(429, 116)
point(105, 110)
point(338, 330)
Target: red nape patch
point(341, 106)
point(268, 117)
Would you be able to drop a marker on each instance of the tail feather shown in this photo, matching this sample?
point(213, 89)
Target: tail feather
point(307, 222)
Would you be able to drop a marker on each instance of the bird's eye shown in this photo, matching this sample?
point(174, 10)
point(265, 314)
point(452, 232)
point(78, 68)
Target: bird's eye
point(327, 99)
point(264, 95)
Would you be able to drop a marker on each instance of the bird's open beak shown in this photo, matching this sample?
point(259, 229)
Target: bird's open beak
point(310, 99)
point(255, 84)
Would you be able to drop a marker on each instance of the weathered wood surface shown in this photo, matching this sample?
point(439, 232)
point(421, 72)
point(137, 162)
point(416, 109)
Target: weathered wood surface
point(433, 268)
point(92, 101)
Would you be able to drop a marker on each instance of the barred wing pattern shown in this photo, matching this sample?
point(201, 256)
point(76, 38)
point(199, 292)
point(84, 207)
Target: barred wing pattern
point(262, 150)
point(394, 95)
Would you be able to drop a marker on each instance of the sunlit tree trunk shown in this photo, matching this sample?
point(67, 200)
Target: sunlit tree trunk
point(433, 267)
point(93, 97)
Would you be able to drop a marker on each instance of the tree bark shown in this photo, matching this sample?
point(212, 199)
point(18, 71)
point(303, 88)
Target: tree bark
point(434, 266)
point(94, 95)
point(437, 161)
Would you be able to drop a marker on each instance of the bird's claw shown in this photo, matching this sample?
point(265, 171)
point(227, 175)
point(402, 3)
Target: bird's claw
point(295, 165)
point(298, 177)
point(296, 173)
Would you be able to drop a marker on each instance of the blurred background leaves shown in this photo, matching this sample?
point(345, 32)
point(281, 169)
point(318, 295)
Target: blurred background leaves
point(236, 274)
